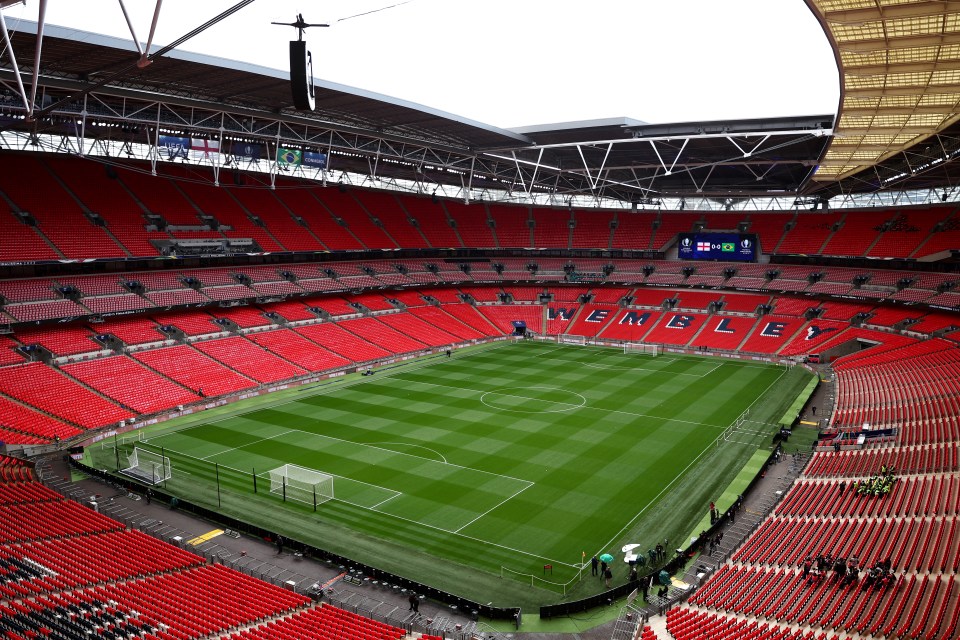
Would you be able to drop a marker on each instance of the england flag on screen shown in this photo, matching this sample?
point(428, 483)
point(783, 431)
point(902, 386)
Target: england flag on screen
point(703, 246)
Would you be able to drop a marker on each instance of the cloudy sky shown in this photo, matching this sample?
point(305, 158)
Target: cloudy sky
point(520, 62)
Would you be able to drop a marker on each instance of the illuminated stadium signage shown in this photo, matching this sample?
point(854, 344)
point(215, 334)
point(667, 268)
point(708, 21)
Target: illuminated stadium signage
point(717, 246)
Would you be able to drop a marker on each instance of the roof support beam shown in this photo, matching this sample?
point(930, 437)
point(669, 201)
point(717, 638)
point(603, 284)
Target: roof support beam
point(891, 12)
point(851, 69)
point(891, 131)
point(16, 68)
point(880, 45)
point(910, 90)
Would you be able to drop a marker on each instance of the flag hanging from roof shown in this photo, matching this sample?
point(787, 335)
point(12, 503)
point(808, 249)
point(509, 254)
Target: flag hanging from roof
point(202, 149)
point(247, 151)
point(173, 147)
point(314, 159)
point(289, 157)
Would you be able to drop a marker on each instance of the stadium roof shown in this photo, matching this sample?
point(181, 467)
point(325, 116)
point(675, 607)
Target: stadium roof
point(897, 125)
point(900, 94)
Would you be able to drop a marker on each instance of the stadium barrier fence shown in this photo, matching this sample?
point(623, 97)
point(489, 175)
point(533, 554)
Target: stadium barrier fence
point(472, 608)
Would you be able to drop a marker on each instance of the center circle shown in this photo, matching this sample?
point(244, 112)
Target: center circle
point(533, 399)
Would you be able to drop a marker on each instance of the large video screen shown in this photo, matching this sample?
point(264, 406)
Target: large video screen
point(718, 246)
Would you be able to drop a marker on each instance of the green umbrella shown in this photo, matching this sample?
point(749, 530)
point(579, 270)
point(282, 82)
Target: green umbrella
point(606, 558)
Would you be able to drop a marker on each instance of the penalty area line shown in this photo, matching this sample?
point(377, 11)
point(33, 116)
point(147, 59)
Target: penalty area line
point(504, 501)
point(248, 444)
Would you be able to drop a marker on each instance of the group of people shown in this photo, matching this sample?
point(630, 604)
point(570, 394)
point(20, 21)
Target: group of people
point(712, 542)
point(658, 554)
point(878, 485)
point(847, 571)
point(604, 571)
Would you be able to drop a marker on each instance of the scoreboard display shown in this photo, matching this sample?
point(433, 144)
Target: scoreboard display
point(741, 247)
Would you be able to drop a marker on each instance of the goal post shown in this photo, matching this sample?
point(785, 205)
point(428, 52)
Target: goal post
point(148, 466)
point(640, 347)
point(300, 484)
point(577, 340)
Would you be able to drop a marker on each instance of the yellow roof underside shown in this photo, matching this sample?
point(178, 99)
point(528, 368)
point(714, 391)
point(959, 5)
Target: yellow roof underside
point(900, 62)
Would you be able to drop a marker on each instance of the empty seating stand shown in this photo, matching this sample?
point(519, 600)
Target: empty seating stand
point(45, 388)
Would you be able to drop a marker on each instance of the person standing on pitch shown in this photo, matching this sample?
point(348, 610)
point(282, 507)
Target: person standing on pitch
point(593, 564)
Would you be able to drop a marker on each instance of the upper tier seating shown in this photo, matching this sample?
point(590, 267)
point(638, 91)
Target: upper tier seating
point(471, 223)
point(305, 204)
point(859, 231)
point(107, 197)
point(219, 203)
point(387, 209)
point(280, 222)
point(552, 229)
point(593, 229)
point(512, 228)
point(811, 231)
point(25, 179)
point(432, 221)
point(907, 230)
point(769, 228)
point(19, 241)
point(671, 224)
point(947, 238)
point(123, 194)
point(344, 206)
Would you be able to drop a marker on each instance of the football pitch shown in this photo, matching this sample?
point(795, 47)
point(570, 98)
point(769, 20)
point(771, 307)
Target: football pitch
point(499, 460)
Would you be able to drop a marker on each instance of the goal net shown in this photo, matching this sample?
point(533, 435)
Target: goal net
point(148, 466)
point(578, 340)
point(639, 347)
point(301, 484)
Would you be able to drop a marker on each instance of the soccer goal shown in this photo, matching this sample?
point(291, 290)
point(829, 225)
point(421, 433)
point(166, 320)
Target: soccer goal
point(639, 347)
point(577, 340)
point(148, 466)
point(301, 484)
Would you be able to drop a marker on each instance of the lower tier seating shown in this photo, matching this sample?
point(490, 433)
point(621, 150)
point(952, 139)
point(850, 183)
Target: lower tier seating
point(131, 384)
point(194, 370)
point(45, 388)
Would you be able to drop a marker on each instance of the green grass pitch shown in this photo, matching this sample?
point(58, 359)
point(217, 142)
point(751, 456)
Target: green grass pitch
point(495, 462)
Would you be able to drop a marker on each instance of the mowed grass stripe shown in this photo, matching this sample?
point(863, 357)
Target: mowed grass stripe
point(579, 475)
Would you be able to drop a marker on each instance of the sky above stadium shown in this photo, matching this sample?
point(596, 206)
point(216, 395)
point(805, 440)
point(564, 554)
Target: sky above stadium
point(513, 63)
